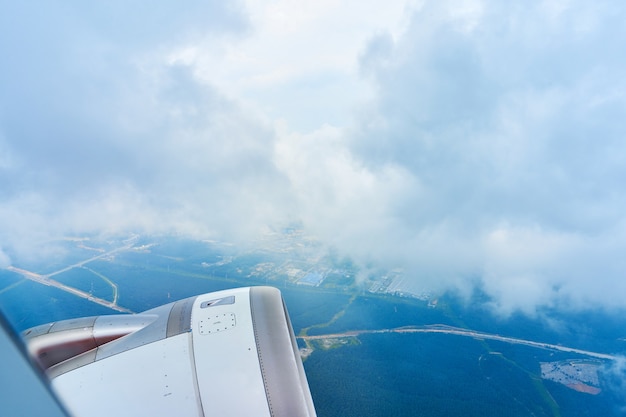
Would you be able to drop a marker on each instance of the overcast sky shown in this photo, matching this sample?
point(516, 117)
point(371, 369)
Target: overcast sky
point(472, 143)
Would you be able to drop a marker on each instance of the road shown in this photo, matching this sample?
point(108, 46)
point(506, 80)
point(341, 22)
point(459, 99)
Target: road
point(43, 279)
point(46, 280)
point(440, 328)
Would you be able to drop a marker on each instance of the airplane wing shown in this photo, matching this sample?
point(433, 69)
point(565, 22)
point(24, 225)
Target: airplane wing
point(24, 393)
point(227, 353)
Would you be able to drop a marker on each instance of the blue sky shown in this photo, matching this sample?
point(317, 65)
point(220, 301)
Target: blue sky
point(472, 143)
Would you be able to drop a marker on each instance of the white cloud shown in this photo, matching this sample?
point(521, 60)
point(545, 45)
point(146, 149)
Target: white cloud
point(510, 119)
point(298, 62)
point(340, 199)
point(469, 142)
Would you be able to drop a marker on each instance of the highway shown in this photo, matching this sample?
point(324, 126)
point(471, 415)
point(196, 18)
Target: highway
point(440, 328)
point(46, 280)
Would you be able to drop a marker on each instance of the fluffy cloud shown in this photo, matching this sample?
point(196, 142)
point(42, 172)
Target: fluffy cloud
point(510, 117)
point(492, 154)
point(100, 131)
point(468, 142)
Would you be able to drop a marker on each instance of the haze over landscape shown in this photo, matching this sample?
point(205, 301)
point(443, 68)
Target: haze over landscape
point(473, 144)
point(382, 163)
